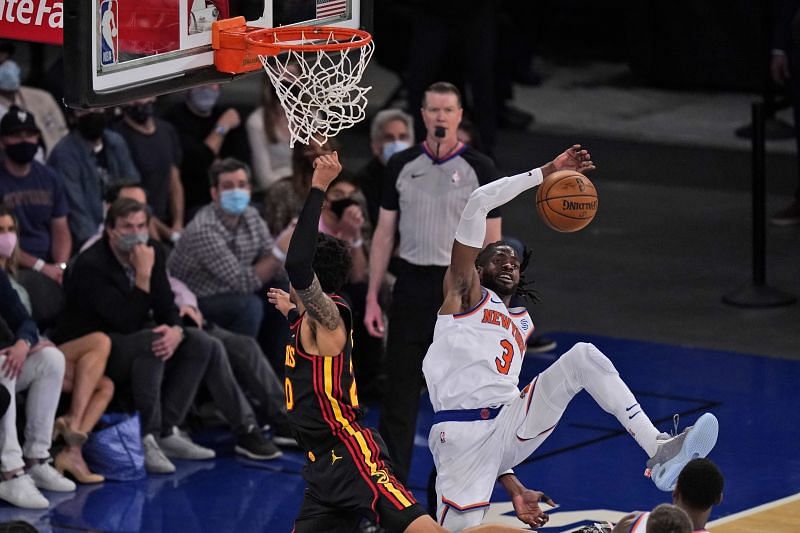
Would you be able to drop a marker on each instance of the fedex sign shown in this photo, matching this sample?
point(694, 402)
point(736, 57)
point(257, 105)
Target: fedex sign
point(32, 20)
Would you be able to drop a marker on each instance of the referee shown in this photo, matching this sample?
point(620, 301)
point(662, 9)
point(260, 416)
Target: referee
point(426, 189)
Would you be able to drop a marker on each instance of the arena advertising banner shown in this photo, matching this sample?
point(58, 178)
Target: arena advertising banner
point(32, 20)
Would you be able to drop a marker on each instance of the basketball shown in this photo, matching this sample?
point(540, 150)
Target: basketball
point(566, 201)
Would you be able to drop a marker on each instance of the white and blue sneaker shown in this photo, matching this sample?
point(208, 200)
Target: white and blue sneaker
point(674, 452)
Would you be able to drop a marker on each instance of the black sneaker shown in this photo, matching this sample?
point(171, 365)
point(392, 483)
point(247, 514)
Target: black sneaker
point(539, 344)
point(254, 445)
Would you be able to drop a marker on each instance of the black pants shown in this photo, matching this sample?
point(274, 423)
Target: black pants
point(161, 392)
point(254, 375)
point(416, 299)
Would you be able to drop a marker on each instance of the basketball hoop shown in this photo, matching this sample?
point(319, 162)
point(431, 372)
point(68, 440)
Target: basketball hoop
point(315, 71)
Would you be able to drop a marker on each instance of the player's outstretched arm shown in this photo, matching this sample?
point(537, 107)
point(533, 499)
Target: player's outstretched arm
point(461, 284)
point(321, 310)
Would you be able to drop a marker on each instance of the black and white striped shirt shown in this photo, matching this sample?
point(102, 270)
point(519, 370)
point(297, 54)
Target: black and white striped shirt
point(430, 195)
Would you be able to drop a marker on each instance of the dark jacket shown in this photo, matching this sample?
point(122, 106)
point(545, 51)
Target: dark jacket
point(101, 297)
point(13, 313)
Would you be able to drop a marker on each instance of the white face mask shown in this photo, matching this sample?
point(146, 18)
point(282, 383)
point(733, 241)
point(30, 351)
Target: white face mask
point(392, 147)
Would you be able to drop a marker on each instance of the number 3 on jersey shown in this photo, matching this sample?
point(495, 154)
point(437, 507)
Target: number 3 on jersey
point(503, 363)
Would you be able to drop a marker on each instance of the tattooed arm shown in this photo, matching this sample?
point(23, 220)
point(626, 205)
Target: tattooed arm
point(319, 305)
point(324, 328)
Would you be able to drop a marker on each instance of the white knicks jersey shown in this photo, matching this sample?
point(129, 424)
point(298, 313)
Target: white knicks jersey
point(476, 356)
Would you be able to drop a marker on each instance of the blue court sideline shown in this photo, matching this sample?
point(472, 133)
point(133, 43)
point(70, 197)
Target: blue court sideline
point(588, 463)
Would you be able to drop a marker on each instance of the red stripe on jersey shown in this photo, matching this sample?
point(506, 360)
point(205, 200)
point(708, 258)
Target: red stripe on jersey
point(338, 369)
point(327, 414)
point(469, 507)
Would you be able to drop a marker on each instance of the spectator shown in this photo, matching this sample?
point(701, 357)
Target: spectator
point(785, 69)
point(35, 193)
point(85, 359)
point(207, 132)
point(392, 131)
point(41, 104)
point(27, 364)
point(156, 152)
point(344, 217)
point(153, 359)
point(227, 255)
point(268, 133)
point(426, 210)
point(665, 518)
point(697, 491)
point(249, 365)
point(90, 159)
point(285, 197)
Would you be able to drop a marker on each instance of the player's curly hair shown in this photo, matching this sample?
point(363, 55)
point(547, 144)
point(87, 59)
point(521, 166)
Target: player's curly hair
point(331, 262)
point(700, 484)
point(525, 288)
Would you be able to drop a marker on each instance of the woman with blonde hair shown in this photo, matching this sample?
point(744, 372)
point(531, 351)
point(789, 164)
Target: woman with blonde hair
point(83, 376)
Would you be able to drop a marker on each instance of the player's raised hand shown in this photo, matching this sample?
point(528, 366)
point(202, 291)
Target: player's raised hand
point(526, 505)
point(574, 158)
point(326, 168)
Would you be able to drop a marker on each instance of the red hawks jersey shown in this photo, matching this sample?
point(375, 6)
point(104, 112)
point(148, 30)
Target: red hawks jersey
point(476, 356)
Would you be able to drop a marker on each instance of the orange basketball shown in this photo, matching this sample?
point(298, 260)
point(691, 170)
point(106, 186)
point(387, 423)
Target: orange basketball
point(566, 201)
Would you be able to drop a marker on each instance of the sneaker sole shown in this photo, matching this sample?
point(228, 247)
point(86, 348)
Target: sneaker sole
point(256, 457)
point(698, 443)
point(285, 442)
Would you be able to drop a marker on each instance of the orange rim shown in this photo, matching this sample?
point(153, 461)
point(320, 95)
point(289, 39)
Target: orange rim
point(272, 41)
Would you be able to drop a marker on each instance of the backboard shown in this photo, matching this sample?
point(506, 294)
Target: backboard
point(119, 50)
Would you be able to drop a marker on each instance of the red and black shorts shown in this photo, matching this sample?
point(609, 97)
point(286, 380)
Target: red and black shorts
point(353, 481)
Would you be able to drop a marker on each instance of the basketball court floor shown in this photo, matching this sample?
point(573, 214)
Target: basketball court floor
point(589, 466)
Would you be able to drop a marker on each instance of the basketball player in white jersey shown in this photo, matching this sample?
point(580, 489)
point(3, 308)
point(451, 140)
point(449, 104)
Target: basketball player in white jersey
point(483, 424)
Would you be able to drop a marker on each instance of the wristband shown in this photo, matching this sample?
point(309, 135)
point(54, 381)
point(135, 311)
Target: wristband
point(292, 315)
point(221, 130)
point(37, 266)
point(358, 243)
point(278, 254)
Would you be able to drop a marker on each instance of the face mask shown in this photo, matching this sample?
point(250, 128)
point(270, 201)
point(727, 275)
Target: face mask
point(91, 126)
point(9, 76)
point(338, 206)
point(127, 241)
point(234, 201)
point(22, 153)
point(140, 112)
point(202, 99)
point(391, 148)
point(8, 241)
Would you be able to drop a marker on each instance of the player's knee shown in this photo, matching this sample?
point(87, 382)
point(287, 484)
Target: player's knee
point(591, 355)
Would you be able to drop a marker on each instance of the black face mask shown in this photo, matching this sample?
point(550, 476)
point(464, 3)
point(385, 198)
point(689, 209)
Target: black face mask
point(140, 113)
point(338, 206)
point(91, 126)
point(22, 153)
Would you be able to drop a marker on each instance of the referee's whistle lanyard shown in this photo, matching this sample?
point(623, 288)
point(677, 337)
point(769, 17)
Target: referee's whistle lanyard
point(437, 157)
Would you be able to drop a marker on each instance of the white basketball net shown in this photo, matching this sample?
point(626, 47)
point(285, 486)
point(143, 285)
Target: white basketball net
point(319, 90)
